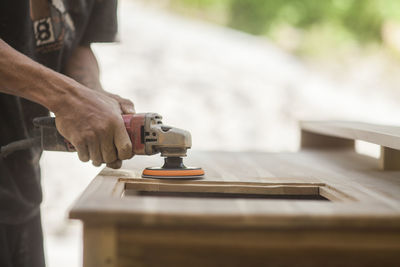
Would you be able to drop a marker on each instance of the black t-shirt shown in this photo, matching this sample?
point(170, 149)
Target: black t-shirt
point(47, 31)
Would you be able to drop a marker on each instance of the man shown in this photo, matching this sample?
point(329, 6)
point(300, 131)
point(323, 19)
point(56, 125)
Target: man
point(46, 64)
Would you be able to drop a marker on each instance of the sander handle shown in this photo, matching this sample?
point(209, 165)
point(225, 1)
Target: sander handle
point(46, 135)
point(52, 140)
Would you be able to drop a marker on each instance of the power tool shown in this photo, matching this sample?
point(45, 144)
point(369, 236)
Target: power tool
point(147, 133)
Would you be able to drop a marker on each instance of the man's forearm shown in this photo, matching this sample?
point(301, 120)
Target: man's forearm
point(82, 66)
point(89, 119)
point(21, 76)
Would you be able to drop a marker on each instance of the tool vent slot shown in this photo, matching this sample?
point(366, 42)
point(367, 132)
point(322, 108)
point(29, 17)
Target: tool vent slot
point(142, 133)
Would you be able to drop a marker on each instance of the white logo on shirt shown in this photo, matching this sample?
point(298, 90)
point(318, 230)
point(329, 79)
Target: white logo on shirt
point(43, 29)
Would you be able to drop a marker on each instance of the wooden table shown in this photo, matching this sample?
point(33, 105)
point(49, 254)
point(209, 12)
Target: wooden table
point(323, 206)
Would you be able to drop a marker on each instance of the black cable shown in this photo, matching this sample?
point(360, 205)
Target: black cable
point(19, 145)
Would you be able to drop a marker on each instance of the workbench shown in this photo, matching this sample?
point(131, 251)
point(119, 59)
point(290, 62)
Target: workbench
point(325, 205)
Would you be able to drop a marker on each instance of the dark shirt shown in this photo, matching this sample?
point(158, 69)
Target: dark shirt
point(47, 31)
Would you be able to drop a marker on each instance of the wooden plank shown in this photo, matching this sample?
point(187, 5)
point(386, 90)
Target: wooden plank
point(241, 247)
point(322, 141)
point(342, 135)
point(389, 159)
point(388, 136)
point(372, 197)
point(221, 187)
point(99, 246)
point(98, 192)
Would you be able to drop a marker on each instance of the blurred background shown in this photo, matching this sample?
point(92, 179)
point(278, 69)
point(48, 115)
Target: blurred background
point(239, 75)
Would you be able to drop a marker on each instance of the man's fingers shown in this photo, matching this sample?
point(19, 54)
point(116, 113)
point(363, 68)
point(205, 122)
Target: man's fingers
point(115, 165)
point(95, 152)
point(122, 142)
point(127, 106)
point(108, 151)
point(83, 152)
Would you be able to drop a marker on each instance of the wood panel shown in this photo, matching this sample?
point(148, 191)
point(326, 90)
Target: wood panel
point(372, 195)
point(100, 245)
point(341, 135)
point(383, 135)
point(241, 247)
point(360, 226)
point(389, 159)
point(321, 141)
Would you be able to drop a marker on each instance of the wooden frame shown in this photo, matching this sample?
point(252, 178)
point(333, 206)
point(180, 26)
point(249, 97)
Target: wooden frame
point(359, 226)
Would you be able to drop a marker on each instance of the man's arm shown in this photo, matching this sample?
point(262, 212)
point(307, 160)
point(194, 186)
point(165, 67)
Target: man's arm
point(83, 67)
point(89, 119)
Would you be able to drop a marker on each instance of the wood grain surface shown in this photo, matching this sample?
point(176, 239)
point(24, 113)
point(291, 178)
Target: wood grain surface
point(383, 135)
point(342, 135)
point(351, 219)
point(363, 191)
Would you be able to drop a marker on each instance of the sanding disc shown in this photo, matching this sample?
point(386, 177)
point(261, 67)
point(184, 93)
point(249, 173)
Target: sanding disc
point(184, 173)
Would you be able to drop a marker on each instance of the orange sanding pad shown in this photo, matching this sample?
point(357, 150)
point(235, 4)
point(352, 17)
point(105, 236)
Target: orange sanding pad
point(184, 173)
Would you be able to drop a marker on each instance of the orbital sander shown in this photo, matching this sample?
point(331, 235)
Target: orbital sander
point(147, 133)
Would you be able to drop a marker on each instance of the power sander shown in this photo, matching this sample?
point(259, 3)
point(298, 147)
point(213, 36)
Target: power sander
point(147, 133)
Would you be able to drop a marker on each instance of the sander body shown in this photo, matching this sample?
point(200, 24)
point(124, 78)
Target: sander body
point(147, 133)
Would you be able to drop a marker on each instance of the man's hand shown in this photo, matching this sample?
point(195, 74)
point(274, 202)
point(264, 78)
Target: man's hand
point(93, 123)
point(126, 105)
point(82, 66)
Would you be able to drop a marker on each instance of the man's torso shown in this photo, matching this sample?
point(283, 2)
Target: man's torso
point(47, 31)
